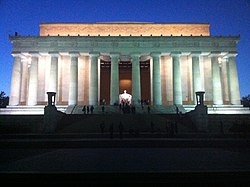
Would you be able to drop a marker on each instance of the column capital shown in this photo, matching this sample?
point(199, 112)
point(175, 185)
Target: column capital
point(155, 54)
point(94, 54)
point(34, 53)
point(17, 54)
point(135, 56)
point(175, 54)
point(231, 54)
point(54, 53)
point(214, 54)
point(74, 54)
point(195, 53)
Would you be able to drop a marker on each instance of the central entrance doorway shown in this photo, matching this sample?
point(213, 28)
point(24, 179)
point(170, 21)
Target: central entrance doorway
point(125, 79)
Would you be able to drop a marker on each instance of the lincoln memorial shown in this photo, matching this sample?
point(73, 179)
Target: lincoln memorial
point(86, 63)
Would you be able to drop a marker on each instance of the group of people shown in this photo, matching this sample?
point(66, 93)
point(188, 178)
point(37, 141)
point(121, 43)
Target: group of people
point(88, 109)
point(171, 129)
point(111, 129)
point(126, 109)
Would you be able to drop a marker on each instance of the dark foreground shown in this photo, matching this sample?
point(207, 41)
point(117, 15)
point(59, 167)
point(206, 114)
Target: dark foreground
point(78, 153)
point(73, 159)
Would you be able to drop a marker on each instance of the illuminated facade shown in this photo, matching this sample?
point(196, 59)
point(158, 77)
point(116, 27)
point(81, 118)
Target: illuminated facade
point(89, 63)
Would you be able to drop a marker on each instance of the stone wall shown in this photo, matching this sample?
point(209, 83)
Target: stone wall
point(123, 29)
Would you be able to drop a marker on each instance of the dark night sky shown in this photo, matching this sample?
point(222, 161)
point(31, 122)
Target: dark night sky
point(227, 17)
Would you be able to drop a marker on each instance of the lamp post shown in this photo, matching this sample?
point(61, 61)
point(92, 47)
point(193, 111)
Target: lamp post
point(200, 97)
point(51, 98)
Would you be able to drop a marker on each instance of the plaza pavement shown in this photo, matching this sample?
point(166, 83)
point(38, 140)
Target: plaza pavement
point(148, 158)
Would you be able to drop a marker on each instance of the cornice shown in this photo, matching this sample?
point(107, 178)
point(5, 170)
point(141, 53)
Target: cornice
point(140, 44)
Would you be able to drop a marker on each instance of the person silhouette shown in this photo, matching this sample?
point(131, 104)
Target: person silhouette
point(84, 109)
point(177, 109)
point(87, 109)
point(91, 109)
point(148, 109)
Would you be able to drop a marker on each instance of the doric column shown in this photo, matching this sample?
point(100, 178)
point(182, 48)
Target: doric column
point(24, 80)
point(157, 97)
point(33, 80)
point(224, 79)
point(177, 90)
point(93, 86)
point(136, 78)
point(216, 78)
point(114, 78)
point(53, 72)
point(233, 80)
point(15, 81)
point(73, 81)
point(196, 76)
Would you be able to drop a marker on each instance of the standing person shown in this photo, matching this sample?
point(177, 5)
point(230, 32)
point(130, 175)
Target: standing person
point(177, 110)
point(142, 105)
point(87, 109)
point(148, 109)
point(103, 108)
point(121, 130)
point(92, 109)
point(84, 109)
point(111, 130)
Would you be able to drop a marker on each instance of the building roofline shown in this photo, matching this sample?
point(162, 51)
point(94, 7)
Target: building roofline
point(127, 22)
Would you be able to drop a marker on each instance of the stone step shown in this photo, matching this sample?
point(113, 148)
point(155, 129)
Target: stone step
point(27, 110)
point(222, 109)
point(160, 109)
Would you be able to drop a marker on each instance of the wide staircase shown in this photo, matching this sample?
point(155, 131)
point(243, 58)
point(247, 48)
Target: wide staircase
point(159, 120)
point(110, 109)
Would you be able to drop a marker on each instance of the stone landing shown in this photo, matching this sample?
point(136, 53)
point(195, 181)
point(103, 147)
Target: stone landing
point(27, 110)
point(222, 109)
point(161, 109)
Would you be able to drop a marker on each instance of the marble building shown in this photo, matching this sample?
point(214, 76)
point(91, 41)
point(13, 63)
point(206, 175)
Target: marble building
point(87, 63)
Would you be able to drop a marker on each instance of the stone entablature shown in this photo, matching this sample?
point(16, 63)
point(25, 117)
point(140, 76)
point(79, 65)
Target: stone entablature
point(124, 45)
point(124, 29)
